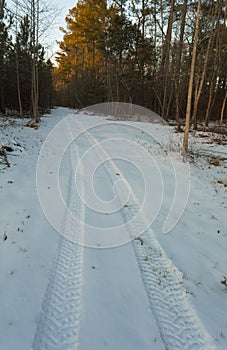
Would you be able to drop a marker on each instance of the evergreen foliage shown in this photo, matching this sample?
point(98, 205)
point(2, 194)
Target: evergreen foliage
point(140, 51)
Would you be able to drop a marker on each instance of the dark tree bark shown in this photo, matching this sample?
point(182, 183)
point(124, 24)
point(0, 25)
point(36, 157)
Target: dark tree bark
point(2, 5)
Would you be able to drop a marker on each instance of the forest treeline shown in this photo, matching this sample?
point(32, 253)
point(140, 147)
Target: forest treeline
point(136, 51)
point(140, 51)
point(25, 73)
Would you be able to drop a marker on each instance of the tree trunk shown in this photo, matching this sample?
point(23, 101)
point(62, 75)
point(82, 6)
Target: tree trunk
point(17, 67)
point(93, 58)
point(223, 109)
point(165, 60)
point(201, 82)
point(143, 19)
point(215, 74)
point(34, 44)
point(18, 87)
point(2, 5)
point(196, 89)
point(167, 41)
point(191, 78)
point(211, 91)
point(178, 61)
point(2, 100)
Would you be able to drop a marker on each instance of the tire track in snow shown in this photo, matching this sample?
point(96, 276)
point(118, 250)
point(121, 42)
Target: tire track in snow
point(180, 327)
point(58, 327)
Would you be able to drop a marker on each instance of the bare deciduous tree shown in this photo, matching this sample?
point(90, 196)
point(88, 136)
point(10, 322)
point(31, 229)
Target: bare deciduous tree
point(17, 66)
point(34, 45)
point(178, 63)
point(166, 61)
point(191, 79)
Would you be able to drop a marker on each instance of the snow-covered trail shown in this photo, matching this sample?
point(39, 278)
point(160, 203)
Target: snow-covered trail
point(131, 297)
point(180, 328)
point(115, 305)
point(116, 289)
point(94, 296)
point(58, 327)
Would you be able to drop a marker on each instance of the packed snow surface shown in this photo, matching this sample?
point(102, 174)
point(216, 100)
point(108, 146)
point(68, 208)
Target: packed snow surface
point(108, 240)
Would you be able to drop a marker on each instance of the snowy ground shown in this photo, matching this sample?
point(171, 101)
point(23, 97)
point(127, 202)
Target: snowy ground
point(119, 289)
